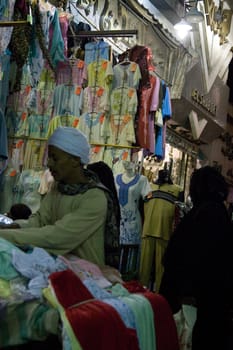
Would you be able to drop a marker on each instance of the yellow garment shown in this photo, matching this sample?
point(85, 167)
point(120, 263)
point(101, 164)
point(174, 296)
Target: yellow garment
point(52, 299)
point(5, 289)
point(66, 224)
point(159, 213)
point(152, 251)
point(59, 120)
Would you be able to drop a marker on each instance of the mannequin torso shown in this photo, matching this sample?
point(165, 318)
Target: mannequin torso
point(131, 187)
point(129, 171)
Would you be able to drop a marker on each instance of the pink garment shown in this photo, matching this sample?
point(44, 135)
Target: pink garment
point(44, 102)
point(64, 23)
point(18, 100)
point(145, 130)
point(155, 96)
point(73, 71)
point(85, 269)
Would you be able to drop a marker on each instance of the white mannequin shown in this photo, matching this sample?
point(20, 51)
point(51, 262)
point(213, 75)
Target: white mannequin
point(129, 171)
point(131, 187)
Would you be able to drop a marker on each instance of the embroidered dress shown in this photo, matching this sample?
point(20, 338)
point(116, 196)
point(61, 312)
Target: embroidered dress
point(114, 156)
point(59, 120)
point(100, 73)
point(27, 189)
point(7, 185)
point(33, 156)
point(19, 100)
point(38, 125)
point(95, 99)
point(47, 81)
point(44, 102)
point(123, 106)
point(126, 75)
point(17, 154)
point(67, 99)
point(6, 14)
point(96, 51)
point(97, 153)
point(17, 112)
point(129, 196)
point(23, 125)
point(121, 130)
point(73, 71)
point(93, 125)
point(124, 101)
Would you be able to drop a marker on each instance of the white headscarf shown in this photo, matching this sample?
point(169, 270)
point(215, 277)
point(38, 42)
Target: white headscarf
point(72, 141)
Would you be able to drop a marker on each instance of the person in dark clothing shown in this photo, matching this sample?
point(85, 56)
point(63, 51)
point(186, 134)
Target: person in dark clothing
point(106, 177)
point(198, 263)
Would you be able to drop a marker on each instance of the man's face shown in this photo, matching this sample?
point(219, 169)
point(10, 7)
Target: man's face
point(61, 165)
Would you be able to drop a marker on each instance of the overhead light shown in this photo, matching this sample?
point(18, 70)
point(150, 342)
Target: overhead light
point(183, 25)
point(182, 28)
point(190, 17)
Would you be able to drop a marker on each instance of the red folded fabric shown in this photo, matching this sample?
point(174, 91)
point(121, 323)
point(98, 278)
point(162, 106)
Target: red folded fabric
point(69, 288)
point(96, 324)
point(165, 327)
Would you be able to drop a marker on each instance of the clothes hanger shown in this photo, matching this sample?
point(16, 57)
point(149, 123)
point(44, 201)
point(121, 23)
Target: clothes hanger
point(126, 60)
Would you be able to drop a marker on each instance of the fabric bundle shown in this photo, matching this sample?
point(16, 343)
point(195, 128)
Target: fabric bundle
point(88, 316)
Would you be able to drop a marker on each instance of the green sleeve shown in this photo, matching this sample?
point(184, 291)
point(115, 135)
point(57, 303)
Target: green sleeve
point(42, 217)
point(74, 229)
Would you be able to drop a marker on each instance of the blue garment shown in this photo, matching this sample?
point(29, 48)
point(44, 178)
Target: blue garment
point(159, 142)
point(4, 81)
point(57, 43)
point(96, 51)
point(124, 188)
point(36, 266)
point(3, 6)
point(119, 305)
point(166, 103)
point(3, 137)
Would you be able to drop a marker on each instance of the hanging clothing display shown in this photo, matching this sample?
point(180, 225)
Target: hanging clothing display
point(73, 82)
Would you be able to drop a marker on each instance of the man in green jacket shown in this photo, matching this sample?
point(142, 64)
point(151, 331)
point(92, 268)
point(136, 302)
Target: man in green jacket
point(72, 216)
